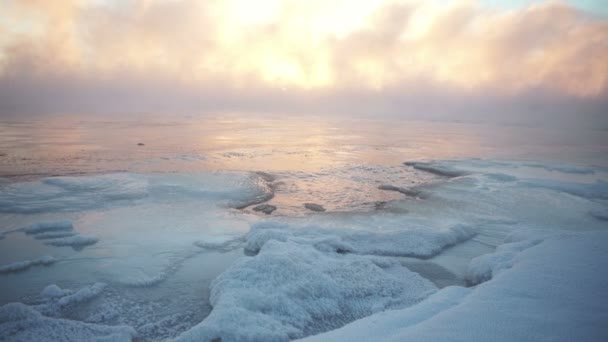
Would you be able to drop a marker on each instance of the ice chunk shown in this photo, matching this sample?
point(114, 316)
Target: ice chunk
point(56, 307)
point(53, 235)
point(407, 192)
point(552, 292)
point(314, 207)
point(52, 291)
point(265, 208)
point(21, 323)
point(24, 265)
point(74, 241)
point(414, 241)
point(221, 245)
point(291, 290)
point(42, 227)
point(437, 168)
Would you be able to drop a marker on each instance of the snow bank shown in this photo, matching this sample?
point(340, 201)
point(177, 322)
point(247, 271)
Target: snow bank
point(19, 322)
point(24, 265)
point(553, 291)
point(290, 290)
point(410, 240)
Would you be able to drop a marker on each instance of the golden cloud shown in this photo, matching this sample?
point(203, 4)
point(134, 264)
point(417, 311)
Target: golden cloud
point(319, 45)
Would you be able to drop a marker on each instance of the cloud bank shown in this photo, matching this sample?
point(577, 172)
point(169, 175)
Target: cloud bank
point(391, 57)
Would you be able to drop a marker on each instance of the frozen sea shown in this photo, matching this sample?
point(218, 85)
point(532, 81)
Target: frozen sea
point(204, 228)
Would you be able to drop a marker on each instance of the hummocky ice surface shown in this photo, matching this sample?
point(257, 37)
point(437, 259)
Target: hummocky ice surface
point(164, 256)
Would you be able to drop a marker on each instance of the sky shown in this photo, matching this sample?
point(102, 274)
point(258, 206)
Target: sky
point(454, 59)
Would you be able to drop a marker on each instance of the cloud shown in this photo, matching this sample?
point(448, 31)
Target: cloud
point(240, 53)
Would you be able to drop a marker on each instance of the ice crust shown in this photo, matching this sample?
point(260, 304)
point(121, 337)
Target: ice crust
point(291, 290)
point(553, 291)
point(43, 322)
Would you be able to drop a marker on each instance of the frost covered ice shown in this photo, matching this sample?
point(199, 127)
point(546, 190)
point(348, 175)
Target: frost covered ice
point(171, 257)
point(290, 290)
point(20, 322)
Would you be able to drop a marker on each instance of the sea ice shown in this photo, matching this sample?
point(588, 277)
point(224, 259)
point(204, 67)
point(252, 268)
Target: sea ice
point(553, 291)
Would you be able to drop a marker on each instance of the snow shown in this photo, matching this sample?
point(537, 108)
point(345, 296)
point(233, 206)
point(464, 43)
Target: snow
point(291, 290)
point(19, 266)
point(553, 291)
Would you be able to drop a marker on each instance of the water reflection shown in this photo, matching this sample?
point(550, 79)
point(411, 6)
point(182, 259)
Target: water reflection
point(70, 144)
